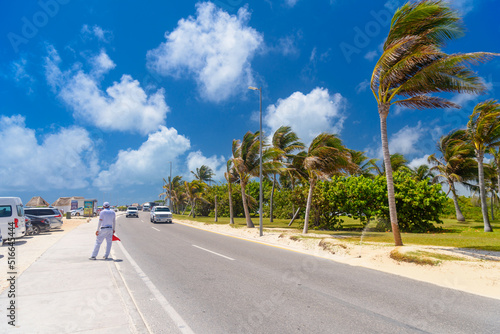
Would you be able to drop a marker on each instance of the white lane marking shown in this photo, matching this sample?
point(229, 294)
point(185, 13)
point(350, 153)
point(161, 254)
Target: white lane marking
point(154, 228)
point(207, 250)
point(172, 313)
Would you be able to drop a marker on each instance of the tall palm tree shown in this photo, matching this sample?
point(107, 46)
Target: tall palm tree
point(194, 192)
point(231, 177)
point(326, 156)
point(284, 142)
point(413, 65)
point(204, 174)
point(246, 161)
point(483, 130)
point(455, 165)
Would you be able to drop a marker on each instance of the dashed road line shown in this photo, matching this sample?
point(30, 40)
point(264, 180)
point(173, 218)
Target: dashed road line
point(207, 250)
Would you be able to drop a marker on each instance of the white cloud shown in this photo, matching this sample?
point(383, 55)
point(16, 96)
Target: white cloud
point(63, 160)
point(308, 115)
point(363, 86)
point(124, 106)
point(405, 141)
point(197, 159)
point(463, 6)
point(19, 74)
point(291, 3)
point(215, 47)
point(417, 162)
point(371, 55)
point(146, 165)
point(97, 32)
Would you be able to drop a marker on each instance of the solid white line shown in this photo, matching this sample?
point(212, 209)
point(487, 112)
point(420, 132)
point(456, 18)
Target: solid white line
point(154, 228)
point(206, 250)
point(172, 313)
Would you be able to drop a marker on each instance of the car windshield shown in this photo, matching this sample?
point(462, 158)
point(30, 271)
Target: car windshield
point(132, 208)
point(162, 209)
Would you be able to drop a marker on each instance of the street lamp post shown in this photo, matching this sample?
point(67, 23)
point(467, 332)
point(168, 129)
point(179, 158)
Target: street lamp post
point(260, 157)
point(170, 189)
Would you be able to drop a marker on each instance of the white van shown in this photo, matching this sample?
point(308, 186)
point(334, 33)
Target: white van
point(12, 215)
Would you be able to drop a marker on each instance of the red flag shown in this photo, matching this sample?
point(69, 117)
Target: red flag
point(115, 238)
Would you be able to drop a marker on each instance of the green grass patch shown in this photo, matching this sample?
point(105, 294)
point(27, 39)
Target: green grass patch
point(413, 257)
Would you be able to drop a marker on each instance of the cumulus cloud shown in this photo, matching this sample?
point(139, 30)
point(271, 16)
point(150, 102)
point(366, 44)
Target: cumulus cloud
point(146, 165)
point(215, 47)
point(308, 115)
point(405, 141)
point(124, 106)
point(63, 160)
point(417, 162)
point(197, 159)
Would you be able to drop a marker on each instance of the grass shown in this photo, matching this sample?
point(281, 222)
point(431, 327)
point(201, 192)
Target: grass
point(422, 257)
point(468, 234)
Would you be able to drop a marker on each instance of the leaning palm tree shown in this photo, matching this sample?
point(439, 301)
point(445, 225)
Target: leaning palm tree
point(326, 156)
point(456, 164)
point(422, 172)
point(366, 166)
point(413, 65)
point(284, 142)
point(231, 177)
point(483, 130)
point(194, 192)
point(246, 163)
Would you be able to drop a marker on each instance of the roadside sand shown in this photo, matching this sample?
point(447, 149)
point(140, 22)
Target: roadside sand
point(478, 272)
point(29, 248)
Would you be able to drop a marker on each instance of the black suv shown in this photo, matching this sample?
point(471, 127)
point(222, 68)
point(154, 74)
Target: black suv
point(52, 214)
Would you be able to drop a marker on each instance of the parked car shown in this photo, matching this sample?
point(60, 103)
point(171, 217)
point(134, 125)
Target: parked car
point(52, 214)
point(12, 214)
point(132, 212)
point(77, 212)
point(39, 224)
point(160, 214)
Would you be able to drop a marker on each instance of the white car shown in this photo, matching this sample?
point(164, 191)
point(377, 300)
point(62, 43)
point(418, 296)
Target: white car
point(77, 212)
point(160, 214)
point(132, 212)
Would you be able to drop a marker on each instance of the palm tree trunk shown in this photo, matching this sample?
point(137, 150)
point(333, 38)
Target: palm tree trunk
point(231, 214)
point(383, 110)
point(245, 206)
point(308, 206)
point(458, 212)
point(215, 210)
point(271, 201)
point(482, 192)
point(192, 209)
point(492, 201)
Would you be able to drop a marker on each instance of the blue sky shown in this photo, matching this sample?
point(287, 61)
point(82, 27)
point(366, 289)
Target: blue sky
point(98, 97)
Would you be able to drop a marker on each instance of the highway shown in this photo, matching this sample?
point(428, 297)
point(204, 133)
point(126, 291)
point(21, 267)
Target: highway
point(186, 280)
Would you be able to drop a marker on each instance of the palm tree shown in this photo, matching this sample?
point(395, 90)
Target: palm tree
point(284, 142)
point(231, 177)
point(204, 174)
point(455, 165)
point(194, 192)
point(326, 156)
point(423, 172)
point(483, 130)
point(246, 163)
point(365, 168)
point(413, 65)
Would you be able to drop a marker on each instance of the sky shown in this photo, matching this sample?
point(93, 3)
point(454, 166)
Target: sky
point(104, 99)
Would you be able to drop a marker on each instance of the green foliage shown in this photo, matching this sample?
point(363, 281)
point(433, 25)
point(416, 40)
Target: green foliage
point(222, 201)
point(470, 207)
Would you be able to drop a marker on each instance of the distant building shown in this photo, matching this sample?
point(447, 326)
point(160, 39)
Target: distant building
point(37, 201)
point(64, 203)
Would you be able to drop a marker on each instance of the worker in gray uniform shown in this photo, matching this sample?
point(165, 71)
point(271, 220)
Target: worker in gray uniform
point(105, 231)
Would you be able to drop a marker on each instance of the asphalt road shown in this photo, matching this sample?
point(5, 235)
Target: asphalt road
point(188, 280)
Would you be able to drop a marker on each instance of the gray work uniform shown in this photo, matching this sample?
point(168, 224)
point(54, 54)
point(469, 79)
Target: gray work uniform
point(106, 226)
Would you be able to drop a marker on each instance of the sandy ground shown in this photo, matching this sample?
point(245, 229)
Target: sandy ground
point(29, 248)
point(477, 272)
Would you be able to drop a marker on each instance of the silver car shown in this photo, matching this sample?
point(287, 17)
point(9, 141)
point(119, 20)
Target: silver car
point(52, 214)
point(132, 212)
point(160, 214)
